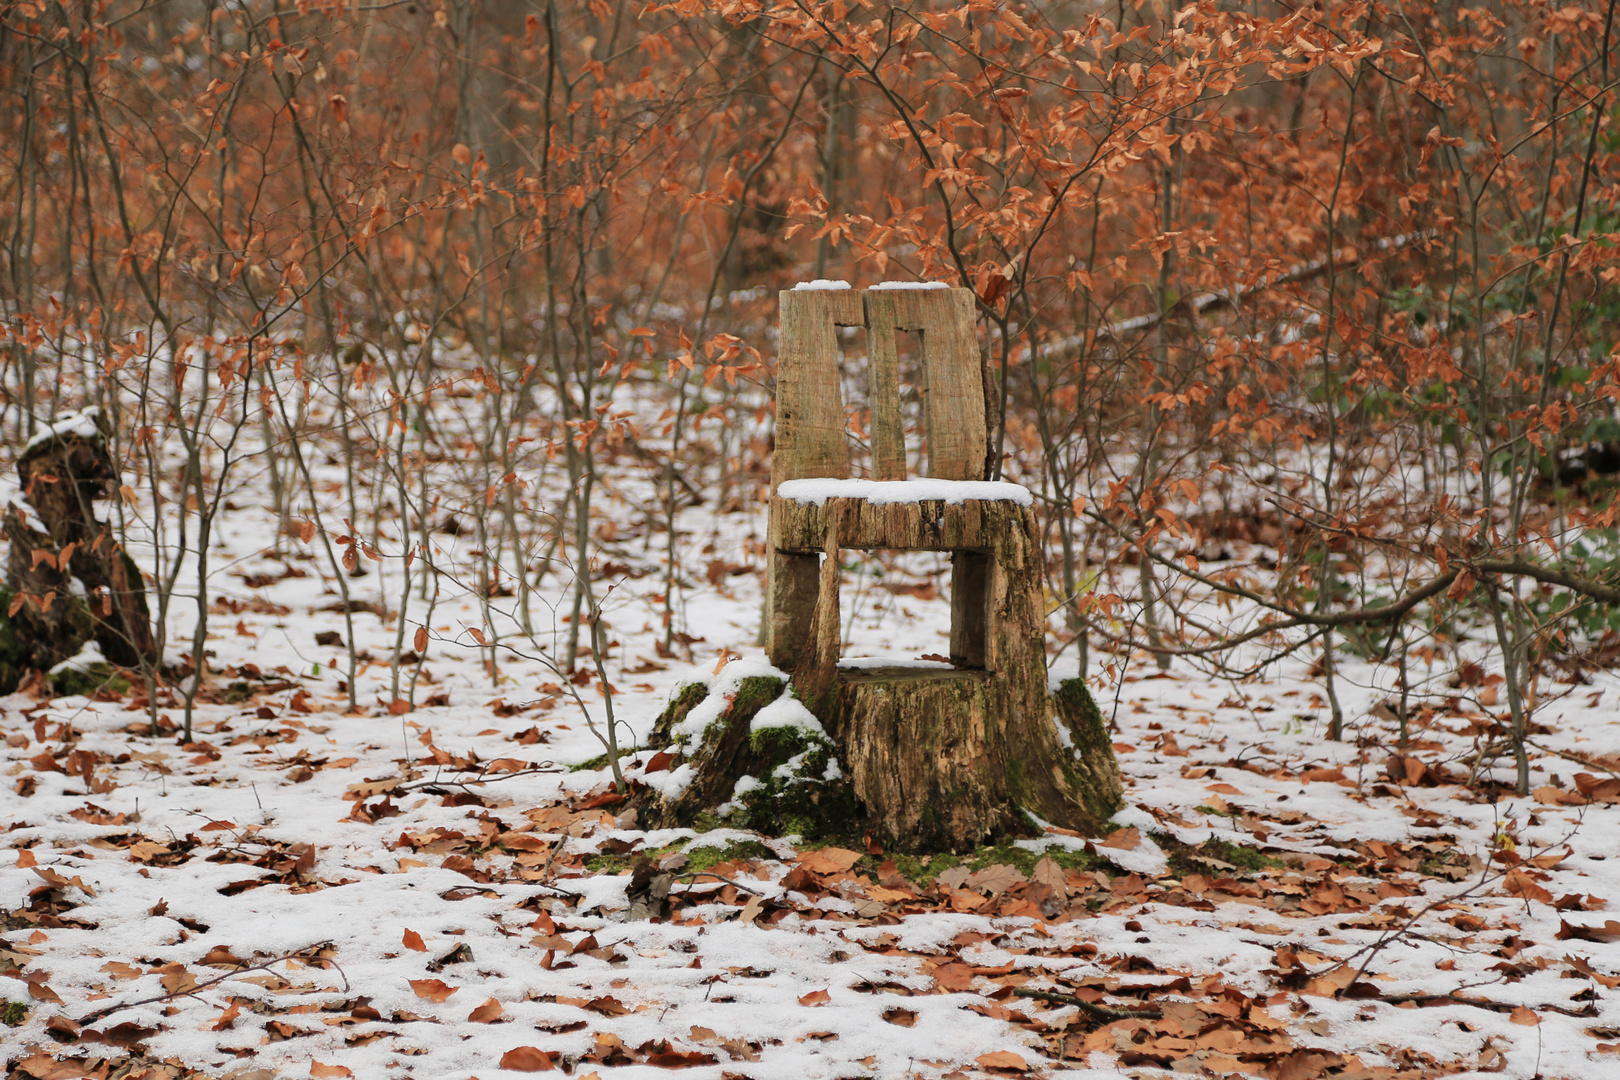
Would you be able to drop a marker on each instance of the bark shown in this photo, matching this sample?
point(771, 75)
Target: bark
point(74, 581)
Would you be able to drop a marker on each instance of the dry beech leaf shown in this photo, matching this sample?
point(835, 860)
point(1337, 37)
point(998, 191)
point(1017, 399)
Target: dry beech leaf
point(487, 1013)
point(607, 1006)
point(900, 1017)
point(829, 860)
point(1123, 839)
point(527, 1059)
point(1525, 1016)
point(435, 990)
point(1002, 1059)
point(816, 997)
point(228, 1017)
point(317, 1069)
point(413, 941)
point(1050, 874)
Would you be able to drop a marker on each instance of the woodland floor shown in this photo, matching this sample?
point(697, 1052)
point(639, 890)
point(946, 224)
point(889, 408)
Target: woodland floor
point(303, 891)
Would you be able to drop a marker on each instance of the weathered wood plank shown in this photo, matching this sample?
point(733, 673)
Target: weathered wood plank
point(883, 386)
point(810, 423)
point(953, 379)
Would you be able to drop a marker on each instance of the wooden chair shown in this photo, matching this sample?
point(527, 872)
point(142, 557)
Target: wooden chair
point(939, 756)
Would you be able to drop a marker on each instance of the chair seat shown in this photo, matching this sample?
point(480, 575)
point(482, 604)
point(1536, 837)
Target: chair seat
point(909, 515)
point(884, 492)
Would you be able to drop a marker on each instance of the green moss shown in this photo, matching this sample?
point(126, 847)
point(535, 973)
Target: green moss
point(1093, 772)
point(687, 697)
point(71, 682)
point(1186, 859)
point(14, 1014)
point(1218, 813)
point(923, 869)
point(794, 796)
point(707, 857)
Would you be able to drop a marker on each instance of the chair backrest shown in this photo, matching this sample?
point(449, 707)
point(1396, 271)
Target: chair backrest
point(810, 422)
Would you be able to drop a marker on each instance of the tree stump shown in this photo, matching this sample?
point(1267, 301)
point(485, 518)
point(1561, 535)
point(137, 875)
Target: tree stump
point(68, 580)
point(920, 755)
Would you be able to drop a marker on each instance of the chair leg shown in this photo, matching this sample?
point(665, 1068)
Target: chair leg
point(970, 608)
point(795, 589)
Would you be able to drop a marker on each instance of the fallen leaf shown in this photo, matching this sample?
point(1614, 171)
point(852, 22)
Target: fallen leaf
point(413, 941)
point(1605, 934)
point(317, 1069)
point(816, 997)
point(900, 1017)
point(829, 860)
point(1123, 839)
point(527, 1059)
point(1002, 1059)
point(607, 1006)
point(435, 990)
point(487, 1013)
point(1525, 1016)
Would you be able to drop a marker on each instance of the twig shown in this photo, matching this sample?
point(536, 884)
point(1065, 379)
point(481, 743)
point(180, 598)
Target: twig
point(1576, 758)
point(264, 965)
point(483, 777)
point(1101, 1012)
point(1482, 1003)
point(717, 877)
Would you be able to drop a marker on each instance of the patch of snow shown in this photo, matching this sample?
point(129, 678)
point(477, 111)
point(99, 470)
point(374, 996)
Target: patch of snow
point(867, 663)
point(787, 712)
point(820, 285)
point(886, 492)
point(82, 423)
point(897, 286)
point(82, 660)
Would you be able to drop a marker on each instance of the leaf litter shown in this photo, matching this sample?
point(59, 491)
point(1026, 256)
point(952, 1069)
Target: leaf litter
point(301, 891)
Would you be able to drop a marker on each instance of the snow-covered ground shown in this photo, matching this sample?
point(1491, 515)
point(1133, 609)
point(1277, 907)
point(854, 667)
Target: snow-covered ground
point(305, 890)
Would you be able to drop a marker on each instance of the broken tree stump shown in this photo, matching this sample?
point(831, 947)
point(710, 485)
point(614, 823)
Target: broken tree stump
point(68, 581)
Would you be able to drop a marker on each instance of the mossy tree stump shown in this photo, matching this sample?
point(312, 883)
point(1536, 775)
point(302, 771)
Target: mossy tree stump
point(68, 581)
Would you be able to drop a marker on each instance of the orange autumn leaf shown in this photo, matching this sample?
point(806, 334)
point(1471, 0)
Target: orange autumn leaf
point(318, 1069)
point(435, 990)
point(815, 997)
point(527, 1059)
point(1002, 1059)
point(487, 1013)
point(413, 941)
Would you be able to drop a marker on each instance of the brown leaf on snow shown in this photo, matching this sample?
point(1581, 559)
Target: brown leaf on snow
point(487, 1013)
point(318, 1069)
point(608, 1006)
point(1607, 933)
point(1520, 883)
point(528, 1059)
point(900, 1017)
point(413, 941)
point(1524, 1016)
point(1124, 839)
point(816, 997)
point(435, 990)
point(39, 991)
point(1002, 1059)
point(953, 978)
point(228, 1017)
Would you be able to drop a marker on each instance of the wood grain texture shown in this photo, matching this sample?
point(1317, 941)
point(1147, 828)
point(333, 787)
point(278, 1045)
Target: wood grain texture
point(938, 760)
point(810, 424)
